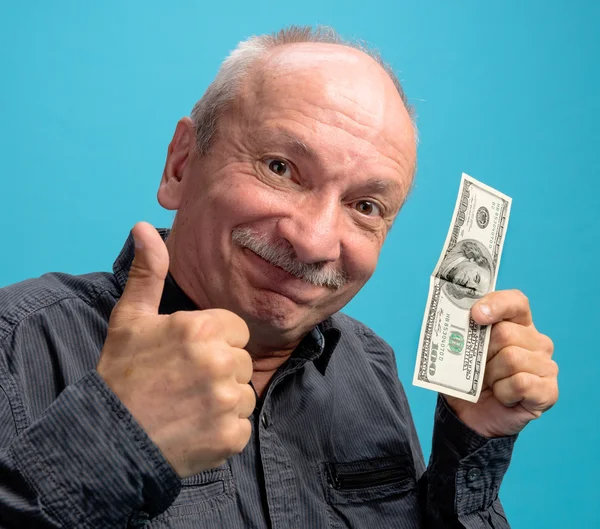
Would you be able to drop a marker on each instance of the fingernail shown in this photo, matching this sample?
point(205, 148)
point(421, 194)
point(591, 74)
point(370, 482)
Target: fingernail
point(138, 244)
point(485, 310)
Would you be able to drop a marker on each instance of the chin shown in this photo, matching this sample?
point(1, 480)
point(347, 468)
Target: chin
point(274, 310)
point(274, 317)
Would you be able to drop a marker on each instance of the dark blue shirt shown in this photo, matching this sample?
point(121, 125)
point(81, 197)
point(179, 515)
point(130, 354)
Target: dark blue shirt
point(333, 441)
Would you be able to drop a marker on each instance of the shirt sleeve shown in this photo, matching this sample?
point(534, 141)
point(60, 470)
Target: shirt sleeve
point(85, 463)
point(460, 487)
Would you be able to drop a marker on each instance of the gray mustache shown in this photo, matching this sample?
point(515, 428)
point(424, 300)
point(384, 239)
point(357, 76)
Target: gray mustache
point(284, 257)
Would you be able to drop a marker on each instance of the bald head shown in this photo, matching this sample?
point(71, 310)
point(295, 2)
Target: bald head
point(345, 83)
point(249, 56)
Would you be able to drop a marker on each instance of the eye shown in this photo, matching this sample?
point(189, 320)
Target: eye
point(279, 167)
point(367, 208)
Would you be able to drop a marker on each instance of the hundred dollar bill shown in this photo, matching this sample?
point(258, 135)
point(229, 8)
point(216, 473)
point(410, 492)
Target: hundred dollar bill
point(452, 347)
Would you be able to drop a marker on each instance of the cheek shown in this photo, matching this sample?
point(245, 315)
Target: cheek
point(239, 195)
point(361, 254)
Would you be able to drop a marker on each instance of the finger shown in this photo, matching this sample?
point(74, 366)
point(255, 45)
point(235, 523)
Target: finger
point(536, 394)
point(244, 433)
point(503, 305)
point(247, 403)
point(512, 360)
point(224, 324)
point(507, 333)
point(146, 279)
point(245, 368)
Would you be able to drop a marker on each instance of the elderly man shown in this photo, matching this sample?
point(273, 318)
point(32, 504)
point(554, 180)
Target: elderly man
point(210, 381)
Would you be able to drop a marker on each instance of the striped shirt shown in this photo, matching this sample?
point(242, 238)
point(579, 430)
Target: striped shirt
point(333, 442)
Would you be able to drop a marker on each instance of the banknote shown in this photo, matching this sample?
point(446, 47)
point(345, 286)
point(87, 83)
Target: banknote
point(452, 347)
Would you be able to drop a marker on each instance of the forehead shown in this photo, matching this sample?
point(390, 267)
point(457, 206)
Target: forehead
point(334, 97)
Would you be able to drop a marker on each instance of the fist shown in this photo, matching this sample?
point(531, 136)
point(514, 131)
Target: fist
point(521, 379)
point(185, 376)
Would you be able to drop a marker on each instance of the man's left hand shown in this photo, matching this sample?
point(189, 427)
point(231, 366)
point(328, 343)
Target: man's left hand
point(520, 381)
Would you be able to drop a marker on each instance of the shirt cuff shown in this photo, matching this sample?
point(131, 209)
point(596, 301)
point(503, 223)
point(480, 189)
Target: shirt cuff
point(91, 463)
point(465, 469)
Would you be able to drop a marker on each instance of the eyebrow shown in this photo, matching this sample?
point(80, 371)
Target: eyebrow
point(287, 140)
point(383, 186)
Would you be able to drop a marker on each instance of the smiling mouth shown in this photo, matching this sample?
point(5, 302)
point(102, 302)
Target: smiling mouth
point(273, 264)
point(279, 269)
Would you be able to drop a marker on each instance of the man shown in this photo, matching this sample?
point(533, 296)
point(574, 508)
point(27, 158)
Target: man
point(211, 381)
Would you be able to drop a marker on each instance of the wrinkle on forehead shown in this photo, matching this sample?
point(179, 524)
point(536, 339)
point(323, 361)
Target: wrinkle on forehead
point(332, 85)
point(331, 71)
point(335, 78)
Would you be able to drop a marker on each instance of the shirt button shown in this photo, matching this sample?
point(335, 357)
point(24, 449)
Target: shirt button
point(473, 474)
point(265, 420)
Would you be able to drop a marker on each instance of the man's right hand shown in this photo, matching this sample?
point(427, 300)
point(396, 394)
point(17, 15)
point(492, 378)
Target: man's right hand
point(184, 376)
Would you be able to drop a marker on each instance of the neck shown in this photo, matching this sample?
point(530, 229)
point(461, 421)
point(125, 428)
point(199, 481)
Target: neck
point(265, 363)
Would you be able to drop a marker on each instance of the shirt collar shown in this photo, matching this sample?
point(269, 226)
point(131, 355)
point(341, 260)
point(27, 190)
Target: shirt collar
point(317, 346)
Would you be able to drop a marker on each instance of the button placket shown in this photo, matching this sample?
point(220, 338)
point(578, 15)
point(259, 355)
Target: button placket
point(264, 419)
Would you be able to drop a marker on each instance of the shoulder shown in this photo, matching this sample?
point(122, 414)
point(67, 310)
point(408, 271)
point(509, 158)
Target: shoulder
point(365, 364)
point(354, 330)
point(364, 347)
point(21, 300)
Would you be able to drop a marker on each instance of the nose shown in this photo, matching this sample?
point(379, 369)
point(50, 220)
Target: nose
point(313, 229)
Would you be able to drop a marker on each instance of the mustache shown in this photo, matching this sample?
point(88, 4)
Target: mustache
point(283, 256)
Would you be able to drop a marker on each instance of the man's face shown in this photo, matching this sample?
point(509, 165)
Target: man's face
point(472, 276)
point(313, 162)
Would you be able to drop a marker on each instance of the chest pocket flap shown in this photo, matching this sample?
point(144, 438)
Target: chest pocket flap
point(367, 480)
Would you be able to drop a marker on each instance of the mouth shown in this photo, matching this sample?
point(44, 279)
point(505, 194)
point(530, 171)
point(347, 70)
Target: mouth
point(273, 264)
point(267, 276)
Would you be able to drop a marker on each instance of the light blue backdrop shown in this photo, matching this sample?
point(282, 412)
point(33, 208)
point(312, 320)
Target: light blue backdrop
point(506, 91)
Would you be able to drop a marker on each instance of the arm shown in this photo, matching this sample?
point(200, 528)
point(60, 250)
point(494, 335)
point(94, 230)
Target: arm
point(473, 442)
point(84, 463)
point(160, 405)
point(460, 487)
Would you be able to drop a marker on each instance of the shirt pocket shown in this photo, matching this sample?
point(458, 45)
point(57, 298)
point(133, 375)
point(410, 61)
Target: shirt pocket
point(376, 491)
point(200, 495)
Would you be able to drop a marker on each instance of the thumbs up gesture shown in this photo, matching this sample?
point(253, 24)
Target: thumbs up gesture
point(184, 376)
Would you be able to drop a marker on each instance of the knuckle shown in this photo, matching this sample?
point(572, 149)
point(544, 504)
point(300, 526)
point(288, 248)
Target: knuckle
point(550, 398)
point(235, 320)
point(225, 398)
point(214, 363)
point(503, 333)
point(220, 363)
point(247, 400)
point(548, 344)
point(229, 437)
point(244, 436)
point(245, 366)
point(205, 325)
point(512, 358)
point(524, 300)
point(554, 369)
point(521, 383)
point(182, 326)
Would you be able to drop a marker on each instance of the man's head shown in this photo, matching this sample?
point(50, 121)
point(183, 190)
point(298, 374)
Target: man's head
point(286, 181)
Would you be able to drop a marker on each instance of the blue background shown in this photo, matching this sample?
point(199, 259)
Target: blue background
point(505, 91)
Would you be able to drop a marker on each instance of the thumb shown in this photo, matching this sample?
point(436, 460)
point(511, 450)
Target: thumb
point(146, 280)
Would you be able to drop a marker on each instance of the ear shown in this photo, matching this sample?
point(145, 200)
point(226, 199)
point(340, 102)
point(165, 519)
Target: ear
point(180, 155)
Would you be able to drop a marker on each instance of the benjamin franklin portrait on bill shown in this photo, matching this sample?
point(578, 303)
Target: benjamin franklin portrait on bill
point(468, 269)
